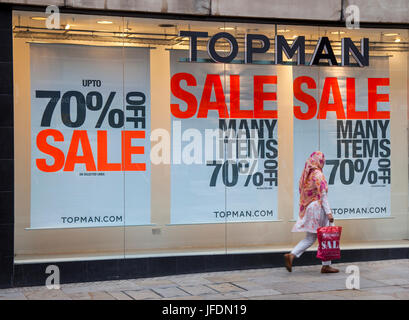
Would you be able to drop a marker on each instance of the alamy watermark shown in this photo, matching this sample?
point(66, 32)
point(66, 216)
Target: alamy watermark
point(53, 20)
point(190, 146)
point(353, 280)
point(352, 17)
point(53, 280)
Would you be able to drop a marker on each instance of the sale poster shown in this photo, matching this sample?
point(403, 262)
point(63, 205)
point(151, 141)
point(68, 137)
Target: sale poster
point(224, 142)
point(90, 128)
point(345, 113)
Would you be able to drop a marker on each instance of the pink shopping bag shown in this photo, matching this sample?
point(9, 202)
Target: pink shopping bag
point(328, 243)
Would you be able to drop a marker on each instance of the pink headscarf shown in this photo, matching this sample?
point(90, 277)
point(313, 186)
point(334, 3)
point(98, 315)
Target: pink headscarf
point(312, 182)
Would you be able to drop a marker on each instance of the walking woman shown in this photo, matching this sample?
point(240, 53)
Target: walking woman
point(315, 211)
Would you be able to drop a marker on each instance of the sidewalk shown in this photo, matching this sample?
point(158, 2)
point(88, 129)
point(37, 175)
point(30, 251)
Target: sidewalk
point(378, 280)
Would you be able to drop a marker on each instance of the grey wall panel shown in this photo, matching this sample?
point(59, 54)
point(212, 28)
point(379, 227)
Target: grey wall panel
point(392, 11)
point(284, 9)
point(383, 11)
point(198, 7)
point(35, 2)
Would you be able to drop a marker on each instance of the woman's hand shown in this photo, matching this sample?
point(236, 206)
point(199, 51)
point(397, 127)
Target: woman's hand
point(330, 217)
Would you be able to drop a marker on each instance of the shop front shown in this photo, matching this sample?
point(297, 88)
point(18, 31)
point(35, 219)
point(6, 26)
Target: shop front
point(152, 146)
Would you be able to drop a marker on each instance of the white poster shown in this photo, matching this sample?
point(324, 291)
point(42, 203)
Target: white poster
point(345, 113)
point(90, 128)
point(224, 142)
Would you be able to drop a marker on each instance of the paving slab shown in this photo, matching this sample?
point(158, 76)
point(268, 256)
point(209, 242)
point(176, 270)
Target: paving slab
point(320, 296)
point(46, 294)
point(198, 290)
point(249, 285)
point(97, 295)
point(395, 282)
point(171, 292)
point(374, 297)
point(387, 279)
point(225, 287)
point(185, 298)
point(361, 295)
point(217, 279)
point(369, 283)
point(220, 296)
point(10, 290)
point(143, 294)
point(326, 285)
point(191, 281)
point(278, 297)
point(12, 296)
point(291, 287)
point(123, 285)
point(259, 293)
point(119, 295)
point(268, 280)
point(155, 283)
point(394, 291)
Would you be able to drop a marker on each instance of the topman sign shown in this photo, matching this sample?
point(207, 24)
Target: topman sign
point(323, 50)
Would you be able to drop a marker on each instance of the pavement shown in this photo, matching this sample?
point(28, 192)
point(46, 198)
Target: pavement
point(387, 279)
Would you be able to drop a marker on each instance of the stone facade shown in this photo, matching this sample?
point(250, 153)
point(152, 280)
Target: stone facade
point(381, 11)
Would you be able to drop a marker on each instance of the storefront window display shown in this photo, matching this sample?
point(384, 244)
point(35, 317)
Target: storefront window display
point(144, 137)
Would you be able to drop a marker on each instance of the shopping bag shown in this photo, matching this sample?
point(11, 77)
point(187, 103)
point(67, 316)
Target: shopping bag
point(328, 243)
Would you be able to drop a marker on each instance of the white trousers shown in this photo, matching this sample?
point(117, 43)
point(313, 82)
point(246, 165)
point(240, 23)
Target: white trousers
point(304, 244)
